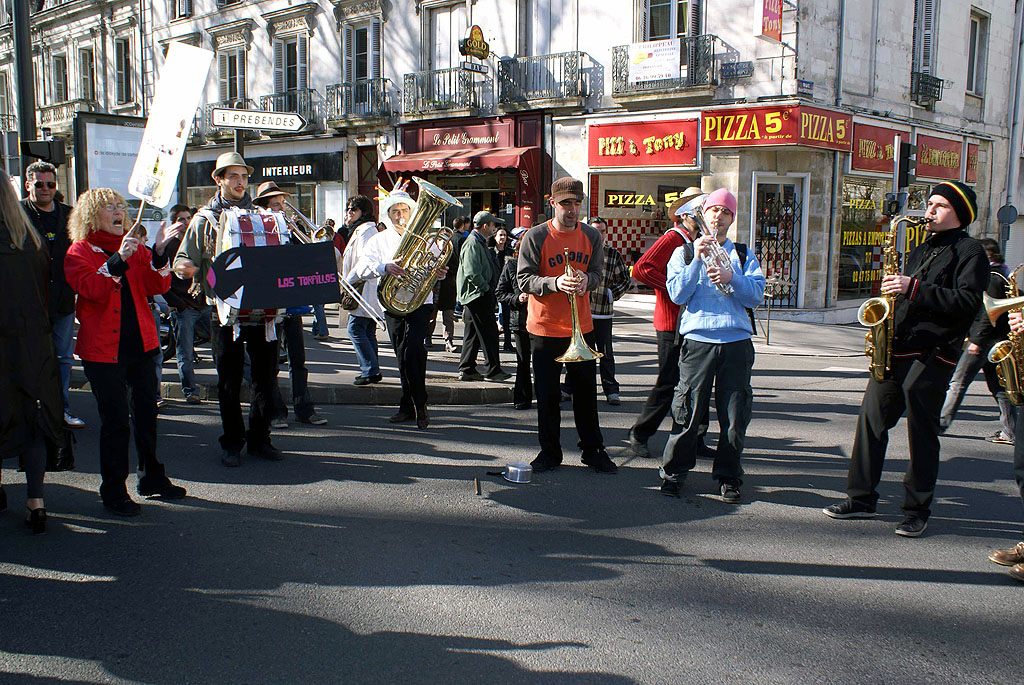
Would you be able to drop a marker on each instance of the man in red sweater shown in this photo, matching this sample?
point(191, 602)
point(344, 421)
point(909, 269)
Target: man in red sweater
point(651, 270)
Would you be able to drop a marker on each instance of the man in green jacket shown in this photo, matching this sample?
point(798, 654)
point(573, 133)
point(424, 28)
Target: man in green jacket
point(475, 281)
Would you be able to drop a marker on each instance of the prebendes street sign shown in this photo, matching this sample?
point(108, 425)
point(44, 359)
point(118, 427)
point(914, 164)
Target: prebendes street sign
point(256, 119)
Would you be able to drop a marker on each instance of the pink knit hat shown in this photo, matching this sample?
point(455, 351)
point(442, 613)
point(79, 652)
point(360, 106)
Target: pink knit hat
point(721, 198)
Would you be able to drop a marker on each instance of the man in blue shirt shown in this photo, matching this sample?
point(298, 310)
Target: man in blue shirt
point(716, 351)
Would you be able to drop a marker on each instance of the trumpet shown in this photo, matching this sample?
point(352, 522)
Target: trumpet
point(578, 350)
point(312, 234)
point(718, 254)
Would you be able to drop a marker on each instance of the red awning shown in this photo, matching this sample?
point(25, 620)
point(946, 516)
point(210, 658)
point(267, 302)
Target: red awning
point(460, 160)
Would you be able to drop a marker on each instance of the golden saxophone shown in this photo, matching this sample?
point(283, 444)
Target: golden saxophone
point(1008, 355)
point(879, 313)
point(422, 252)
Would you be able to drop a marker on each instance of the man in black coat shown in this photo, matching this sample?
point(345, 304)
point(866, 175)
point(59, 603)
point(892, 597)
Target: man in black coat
point(935, 305)
point(50, 218)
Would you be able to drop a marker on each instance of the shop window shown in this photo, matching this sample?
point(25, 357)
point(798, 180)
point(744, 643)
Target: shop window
point(59, 73)
point(777, 239)
point(123, 70)
point(86, 74)
point(231, 68)
point(977, 54)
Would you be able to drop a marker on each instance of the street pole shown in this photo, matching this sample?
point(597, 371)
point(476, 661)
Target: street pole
point(26, 88)
point(240, 142)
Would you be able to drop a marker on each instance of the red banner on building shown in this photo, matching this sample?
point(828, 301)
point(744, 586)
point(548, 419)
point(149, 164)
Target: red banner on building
point(771, 20)
point(873, 147)
point(972, 163)
point(672, 143)
point(781, 125)
point(938, 158)
point(459, 137)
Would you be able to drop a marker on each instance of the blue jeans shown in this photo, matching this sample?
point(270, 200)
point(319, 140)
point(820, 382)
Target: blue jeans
point(184, 332)
point(363, 332)
point(64, 348)
point(319, 320)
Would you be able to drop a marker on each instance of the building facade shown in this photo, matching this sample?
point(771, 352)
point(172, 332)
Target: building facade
point(793, 105)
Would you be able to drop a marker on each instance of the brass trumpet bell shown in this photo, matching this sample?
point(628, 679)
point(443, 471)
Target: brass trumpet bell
point(997, 307)
point(578, 350)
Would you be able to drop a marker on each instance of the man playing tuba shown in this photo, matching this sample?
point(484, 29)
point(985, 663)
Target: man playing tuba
point(934, 308)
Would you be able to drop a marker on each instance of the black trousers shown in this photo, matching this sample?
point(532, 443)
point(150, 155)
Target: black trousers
point(523, 390)
point(408, 335)
point(292, 334)
point(1018, 451)
point(726, 368)
point(918, 390)
point(581, 375)
point(480, 332)
point(230, 356)
point(659, 400)
point(606, 364)
point(118, 387)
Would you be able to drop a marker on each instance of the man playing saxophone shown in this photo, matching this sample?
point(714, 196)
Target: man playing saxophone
point(933, 310)
point(715, 283)
point(1014, 556)
point(408, 333)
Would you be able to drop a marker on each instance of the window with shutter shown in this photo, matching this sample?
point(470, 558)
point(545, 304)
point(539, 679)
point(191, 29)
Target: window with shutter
point(349, 50)
point(222, 70)
point(375, 57)
point(231, 75)
point(86, 74)
point(977, 50)
point(123, 70)
point(5, 97)
point(302, 46)
point(924, 29)
point(671, 19)
point(279, 66)
point(60, 78)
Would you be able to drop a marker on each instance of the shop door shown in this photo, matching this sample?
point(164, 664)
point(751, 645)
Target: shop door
point(366, 163)
point(777, 223)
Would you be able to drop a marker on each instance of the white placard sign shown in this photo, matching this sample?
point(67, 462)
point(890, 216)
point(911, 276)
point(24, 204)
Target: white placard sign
point(178, 93)
point(654, 60)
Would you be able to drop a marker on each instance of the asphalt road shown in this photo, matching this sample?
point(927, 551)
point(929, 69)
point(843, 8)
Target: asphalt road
point(366, 556)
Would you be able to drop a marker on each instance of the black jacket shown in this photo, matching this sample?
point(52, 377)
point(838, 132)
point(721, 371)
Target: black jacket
point(983, 333)
point(62, 297)
point(949, 271)
point(507, 292)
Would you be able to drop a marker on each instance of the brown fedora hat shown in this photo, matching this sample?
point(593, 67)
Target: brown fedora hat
point(267, 190)
point(229, 159)
point(687, 195)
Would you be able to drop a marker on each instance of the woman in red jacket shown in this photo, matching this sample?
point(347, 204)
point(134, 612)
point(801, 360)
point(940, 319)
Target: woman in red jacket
point(113, 272)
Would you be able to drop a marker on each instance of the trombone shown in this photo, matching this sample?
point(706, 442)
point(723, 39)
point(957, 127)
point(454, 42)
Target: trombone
point(313, 234)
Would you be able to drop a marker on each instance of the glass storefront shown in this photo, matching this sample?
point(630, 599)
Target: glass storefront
point(492, 191)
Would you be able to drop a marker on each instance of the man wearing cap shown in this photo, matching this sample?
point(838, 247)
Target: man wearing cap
point(652, 270)
point(715, 350)
point(408, 333)
point(271, 198)
point(193, 260)
point(935, 303)
point(475, 281)
point(541, 273)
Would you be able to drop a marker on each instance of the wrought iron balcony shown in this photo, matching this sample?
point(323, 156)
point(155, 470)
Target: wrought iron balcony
point(444, 90)
point(212, 131)
point(925, 89)
point(359, 100)
point(542, 80)
point(306, 102)
point(200, 124)
point(8, 122)
point(63, 113)
point(696, 70)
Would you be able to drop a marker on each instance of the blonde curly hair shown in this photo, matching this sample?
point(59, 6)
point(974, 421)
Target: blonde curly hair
point(83, 221)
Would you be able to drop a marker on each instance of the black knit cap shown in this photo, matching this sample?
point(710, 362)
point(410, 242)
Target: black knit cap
point(962, 198)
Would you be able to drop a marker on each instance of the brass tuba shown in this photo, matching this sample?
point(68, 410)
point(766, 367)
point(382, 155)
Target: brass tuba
point(1008, 355)
point(578, 350)
point(422, 252)
point(879, 313)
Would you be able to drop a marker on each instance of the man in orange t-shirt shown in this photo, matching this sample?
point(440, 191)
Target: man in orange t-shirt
point(542, 275)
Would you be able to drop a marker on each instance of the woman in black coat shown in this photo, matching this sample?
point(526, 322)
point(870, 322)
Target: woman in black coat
point(503, 252)
point(514, 301)
point(31, 413)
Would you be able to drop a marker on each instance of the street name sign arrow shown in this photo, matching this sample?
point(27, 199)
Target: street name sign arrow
point(256, 119)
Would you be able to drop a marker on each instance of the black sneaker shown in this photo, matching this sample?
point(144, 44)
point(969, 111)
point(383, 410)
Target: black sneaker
point(498, 377)
point(471, 376)
point(124, 507)
point(600, 462)
point(266, 451)
point(159, 487)
point(544, 463)
point(671, 488)
point(912, 526)
point(361, 380)
point(730, 493)
point(231, 458)
point(848, 509)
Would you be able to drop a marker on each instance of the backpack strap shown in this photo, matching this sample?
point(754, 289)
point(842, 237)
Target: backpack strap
point(741, 252)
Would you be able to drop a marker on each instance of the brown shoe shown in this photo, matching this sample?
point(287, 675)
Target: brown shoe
point(1017, 572)
point(1009, 557)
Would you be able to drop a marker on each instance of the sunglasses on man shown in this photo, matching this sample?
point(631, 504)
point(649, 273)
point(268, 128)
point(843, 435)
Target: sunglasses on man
point(45, 184)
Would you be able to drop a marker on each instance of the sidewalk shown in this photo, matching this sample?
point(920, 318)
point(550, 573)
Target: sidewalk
point(332, 363)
